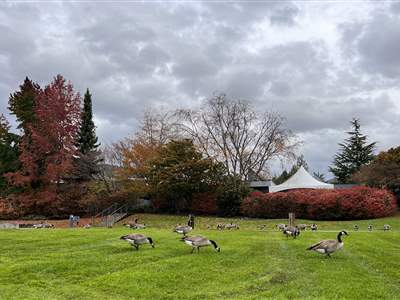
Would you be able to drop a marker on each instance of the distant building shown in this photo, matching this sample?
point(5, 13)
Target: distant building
point(339, 186)
point(261, 185)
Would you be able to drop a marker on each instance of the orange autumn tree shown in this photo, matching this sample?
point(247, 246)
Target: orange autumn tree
point(47, 154)
point(157, 128)
point(136, 155)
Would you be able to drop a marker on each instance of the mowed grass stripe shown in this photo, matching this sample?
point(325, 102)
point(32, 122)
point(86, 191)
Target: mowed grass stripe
point(253, 264)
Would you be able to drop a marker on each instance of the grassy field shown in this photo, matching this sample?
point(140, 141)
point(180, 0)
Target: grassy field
point(253, 264)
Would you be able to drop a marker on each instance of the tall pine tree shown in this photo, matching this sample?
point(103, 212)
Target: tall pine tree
point(354, 153)
point(87, 165)
point(87, 140)
point(22, 104)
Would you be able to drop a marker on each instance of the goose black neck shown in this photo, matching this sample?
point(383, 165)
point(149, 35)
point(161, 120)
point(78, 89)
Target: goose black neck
point(339, 237)
point(214, 244)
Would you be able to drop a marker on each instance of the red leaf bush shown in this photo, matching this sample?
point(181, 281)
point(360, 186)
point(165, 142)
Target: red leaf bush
point(204, 203)
point(348, 204)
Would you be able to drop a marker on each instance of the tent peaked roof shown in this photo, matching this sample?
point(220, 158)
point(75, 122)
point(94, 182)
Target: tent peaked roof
point(300, 180)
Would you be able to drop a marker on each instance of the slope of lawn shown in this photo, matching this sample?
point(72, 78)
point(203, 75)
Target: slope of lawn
point(253, 264)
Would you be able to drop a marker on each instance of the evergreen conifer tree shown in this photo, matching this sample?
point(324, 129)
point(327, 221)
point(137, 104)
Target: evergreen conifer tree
point(354, 153)
point(87, 140)
point(22, 104)
point(87, 165)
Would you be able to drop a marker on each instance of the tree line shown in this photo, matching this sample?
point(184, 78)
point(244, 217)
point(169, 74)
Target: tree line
point(178, 155)
point(54, 165)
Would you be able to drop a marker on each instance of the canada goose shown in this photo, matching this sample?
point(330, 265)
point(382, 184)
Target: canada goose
point(370, 227)
point(356, 227)
point(137, 239)
point(183, 229)
point(291, 231)
point(314, 227)
point(220, 226)
point(199, 241)
point(43, 225)
point(281, 227)
point(232, 226)
point(329, 246)
point(386, 227)
point(136, 225)
point(302, 226)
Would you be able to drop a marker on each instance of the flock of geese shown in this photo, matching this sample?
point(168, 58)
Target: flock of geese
point(196, 242)
point(326, 247)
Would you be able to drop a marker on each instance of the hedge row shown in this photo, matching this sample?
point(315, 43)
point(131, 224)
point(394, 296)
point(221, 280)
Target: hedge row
point(347, 204)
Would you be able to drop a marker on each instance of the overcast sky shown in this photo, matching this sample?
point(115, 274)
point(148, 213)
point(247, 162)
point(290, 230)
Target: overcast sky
point(317, 63)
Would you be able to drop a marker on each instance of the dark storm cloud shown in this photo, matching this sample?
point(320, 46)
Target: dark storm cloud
point(168, 54)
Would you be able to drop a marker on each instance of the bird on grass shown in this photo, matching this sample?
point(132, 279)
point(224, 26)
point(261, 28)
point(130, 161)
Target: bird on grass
point(137, 225)
point(356, 227)
point(232, 226)
point(302, 226)
point(221, 226)
point(281, 227)
point(183, 229)
point(291, 231)
point(386, 227)
point(329, 246)
point(314, 227)
point(369, 227)
point(138, 239)
point(262, 227)
point(198, 241)
point(43, 225)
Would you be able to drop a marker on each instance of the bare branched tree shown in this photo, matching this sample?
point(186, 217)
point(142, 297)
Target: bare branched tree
point(113, 154)
point(158, 127)
point(233, 133)
point(112, 160)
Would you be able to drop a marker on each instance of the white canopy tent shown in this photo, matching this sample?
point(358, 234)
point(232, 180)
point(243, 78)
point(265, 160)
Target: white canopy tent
point(300, 180)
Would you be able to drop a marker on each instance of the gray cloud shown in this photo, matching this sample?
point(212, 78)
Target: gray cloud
point(318, 66)
point(396, 7)
point(379, 46)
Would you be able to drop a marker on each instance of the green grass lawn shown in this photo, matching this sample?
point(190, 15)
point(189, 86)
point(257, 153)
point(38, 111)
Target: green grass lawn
point(253, 264)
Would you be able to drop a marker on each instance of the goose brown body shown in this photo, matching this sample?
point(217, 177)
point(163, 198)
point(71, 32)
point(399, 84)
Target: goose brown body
point(137, 239)
point(291, 231)
point(183, 229)
point(329, 246)
point(198, 241)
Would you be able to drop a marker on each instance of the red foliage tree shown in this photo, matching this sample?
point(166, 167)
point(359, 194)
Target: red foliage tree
point(47, 154)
